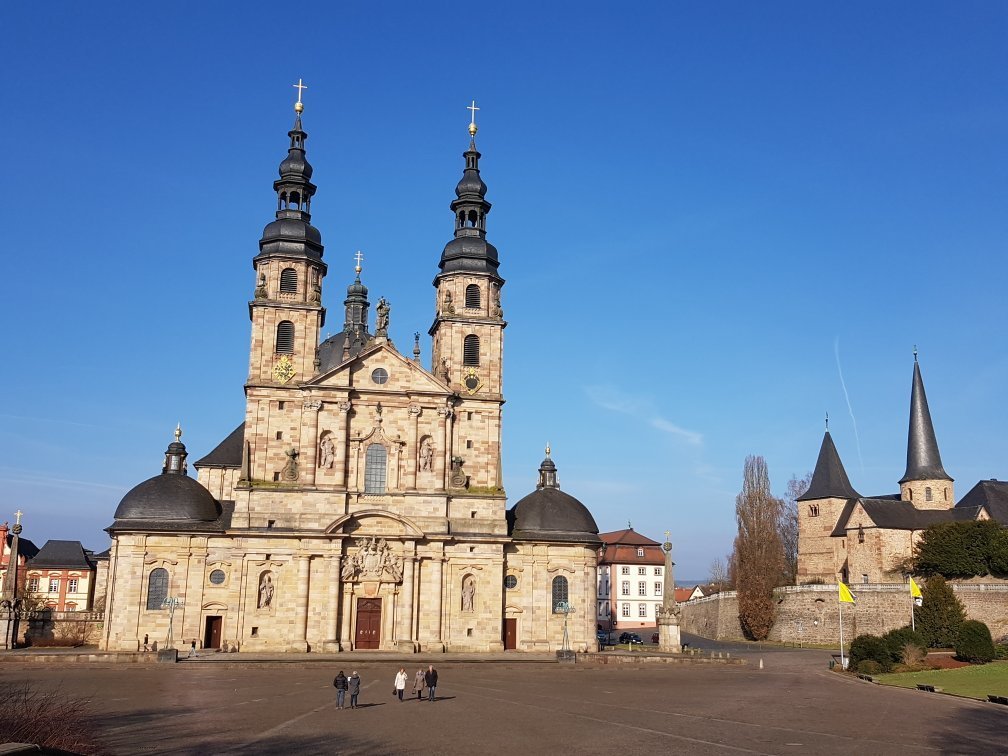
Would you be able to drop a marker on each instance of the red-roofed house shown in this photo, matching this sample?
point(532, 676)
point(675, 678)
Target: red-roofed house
point(630, 579)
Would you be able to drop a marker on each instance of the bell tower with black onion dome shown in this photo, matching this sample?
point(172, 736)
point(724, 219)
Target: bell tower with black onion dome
point(286, 311)
point(468, 329)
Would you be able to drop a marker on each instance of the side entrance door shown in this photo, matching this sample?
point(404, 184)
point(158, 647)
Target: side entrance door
point(211, 638)
point(368, 623)
point(510, 633)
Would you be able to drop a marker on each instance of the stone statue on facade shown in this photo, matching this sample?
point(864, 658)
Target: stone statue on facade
point(382, 318)
point(327, 452)
point(290, 469)
point(266, 591)
point(426, 454)
point(260, 289)
point(468, 593)
point(449, 307)
point(498, 311)
point(443, 371)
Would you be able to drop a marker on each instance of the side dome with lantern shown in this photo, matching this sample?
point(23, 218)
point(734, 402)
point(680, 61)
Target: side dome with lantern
point(169, 501)
point(549, 514)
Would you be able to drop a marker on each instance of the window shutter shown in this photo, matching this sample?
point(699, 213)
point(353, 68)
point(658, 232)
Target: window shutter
point(288, 280)
point(285, 337)
point(471, 350)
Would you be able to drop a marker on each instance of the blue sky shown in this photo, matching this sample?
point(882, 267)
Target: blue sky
point(704, 211)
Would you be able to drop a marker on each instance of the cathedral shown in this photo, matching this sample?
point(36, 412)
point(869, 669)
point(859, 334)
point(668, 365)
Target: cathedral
point(843, 535)
point(359, 504)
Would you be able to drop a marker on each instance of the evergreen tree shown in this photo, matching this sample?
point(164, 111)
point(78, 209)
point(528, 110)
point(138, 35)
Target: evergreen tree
point(940, 615)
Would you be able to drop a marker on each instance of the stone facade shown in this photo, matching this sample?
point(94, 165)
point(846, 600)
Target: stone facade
point(362, 505)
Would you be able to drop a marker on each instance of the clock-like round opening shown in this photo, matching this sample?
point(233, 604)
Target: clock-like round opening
point(379, 376)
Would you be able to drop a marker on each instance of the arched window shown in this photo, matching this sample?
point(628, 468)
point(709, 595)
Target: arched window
point(472, 296)
point(640, 551)
point(559, 591)
point(946, 493)
point(927, 493)
point(288, 280)
point(375, 463)
point(813, 510)
point(157, 588)
point(471, 350)
point(285, 337)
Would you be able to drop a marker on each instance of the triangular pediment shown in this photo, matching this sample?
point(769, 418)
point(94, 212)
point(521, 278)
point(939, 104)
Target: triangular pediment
point(400, 374)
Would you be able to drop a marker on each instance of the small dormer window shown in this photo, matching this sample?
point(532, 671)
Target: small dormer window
point(640, 551)
point(472, 296)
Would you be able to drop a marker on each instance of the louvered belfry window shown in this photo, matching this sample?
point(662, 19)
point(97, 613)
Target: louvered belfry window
point(288, 280)
point(157, 588)
point(471, 350)
point(285, 337)
point(472, 296)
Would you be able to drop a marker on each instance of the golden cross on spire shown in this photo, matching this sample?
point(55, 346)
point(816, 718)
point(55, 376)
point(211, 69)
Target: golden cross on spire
point(472, 123)
point(19, 514)
point(358, 257)
point(298, 106)
point(667, 534)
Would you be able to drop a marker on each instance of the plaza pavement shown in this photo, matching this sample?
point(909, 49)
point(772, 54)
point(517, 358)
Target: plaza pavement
point(504, 704)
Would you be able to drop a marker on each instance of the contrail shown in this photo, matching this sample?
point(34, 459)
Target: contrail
point(857, 438)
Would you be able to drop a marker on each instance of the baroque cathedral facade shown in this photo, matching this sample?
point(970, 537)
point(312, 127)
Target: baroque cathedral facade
point(359, 505)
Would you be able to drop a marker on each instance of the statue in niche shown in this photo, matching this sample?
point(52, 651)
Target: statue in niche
point(382, 318)
point(266, 591)
point(498, 311)
point(468, 593)
point(449, 307)
point(327, 452)
point(426, 454)
point(290, 469)
point(260, 289)
point(444, 372)
point(315, 294)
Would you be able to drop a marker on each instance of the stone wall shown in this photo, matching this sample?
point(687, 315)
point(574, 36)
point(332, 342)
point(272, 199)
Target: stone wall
point(80, 628)
point(811, 613)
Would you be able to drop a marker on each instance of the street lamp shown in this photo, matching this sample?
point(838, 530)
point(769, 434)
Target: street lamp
point(170, 603)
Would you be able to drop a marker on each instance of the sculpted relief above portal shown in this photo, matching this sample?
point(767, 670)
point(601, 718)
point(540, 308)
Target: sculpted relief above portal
point(373, 560)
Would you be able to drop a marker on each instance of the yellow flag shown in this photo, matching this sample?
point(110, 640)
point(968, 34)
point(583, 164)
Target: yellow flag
point(914, 590)
point(845, 595)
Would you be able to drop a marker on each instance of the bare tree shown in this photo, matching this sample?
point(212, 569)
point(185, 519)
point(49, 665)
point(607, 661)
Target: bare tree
point(758, 555)
point(789, 525)
point(718, 578)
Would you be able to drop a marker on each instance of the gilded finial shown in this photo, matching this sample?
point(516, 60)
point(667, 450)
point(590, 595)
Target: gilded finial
point(299, 106)
point(473, 128)
point(358, 257)
point(547, 449)
point(178, 432)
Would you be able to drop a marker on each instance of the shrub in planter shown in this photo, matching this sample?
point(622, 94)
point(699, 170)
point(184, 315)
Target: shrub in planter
point(869, 667)
point(974, 643)
point(870, 647)
point(897, 640)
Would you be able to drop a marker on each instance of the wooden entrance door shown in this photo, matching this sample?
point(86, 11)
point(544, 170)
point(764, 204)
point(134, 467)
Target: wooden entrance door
point(368, 623)
point(211, 637)
point(510, 633)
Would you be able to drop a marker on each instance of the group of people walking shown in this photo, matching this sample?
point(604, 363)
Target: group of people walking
point(422, 680)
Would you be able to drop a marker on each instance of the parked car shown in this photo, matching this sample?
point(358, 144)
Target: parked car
point(630, 638)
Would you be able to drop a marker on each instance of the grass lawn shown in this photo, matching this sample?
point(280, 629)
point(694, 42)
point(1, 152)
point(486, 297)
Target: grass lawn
point(974, 682)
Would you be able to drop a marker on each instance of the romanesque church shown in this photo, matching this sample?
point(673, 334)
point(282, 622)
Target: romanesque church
point(869, 539)
point(359, 504)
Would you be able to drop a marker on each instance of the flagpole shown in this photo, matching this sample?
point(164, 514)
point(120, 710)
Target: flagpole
point(913, 623)
point(842, 665)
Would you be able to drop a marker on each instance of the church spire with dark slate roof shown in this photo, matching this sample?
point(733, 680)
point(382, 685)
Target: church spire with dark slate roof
point(829, 479)
point(923, 459)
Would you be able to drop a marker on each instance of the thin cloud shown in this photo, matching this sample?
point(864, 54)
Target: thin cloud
point(614, 400)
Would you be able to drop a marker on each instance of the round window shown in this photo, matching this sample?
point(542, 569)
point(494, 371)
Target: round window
point(379, 376)
point(510, 582)
point(217, 577)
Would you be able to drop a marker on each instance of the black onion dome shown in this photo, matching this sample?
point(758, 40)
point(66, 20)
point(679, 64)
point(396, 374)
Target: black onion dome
point(549, 514)
point(291, 236)
point(470, 254)
point(168, 497)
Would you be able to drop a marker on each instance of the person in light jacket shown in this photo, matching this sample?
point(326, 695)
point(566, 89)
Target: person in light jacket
point(418, 684)
point(400, 682)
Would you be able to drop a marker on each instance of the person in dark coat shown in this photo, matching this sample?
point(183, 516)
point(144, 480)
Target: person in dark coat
point(353, 685)
point(430, 678)
point(340, 683)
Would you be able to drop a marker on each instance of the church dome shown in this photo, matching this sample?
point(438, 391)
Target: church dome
point(171, 496)
point(292, 236)
point(469, 254)
point(549, 514)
